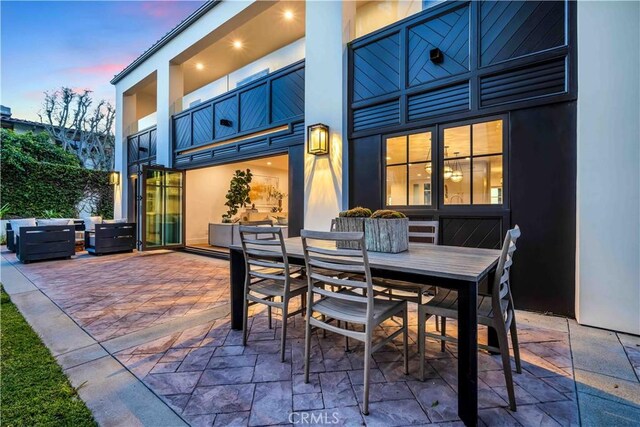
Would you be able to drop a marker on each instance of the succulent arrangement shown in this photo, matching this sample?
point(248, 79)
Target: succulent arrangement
point(387, 214)
point(357, 212)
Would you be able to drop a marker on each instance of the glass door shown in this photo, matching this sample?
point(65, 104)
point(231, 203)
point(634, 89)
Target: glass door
point(162, 216)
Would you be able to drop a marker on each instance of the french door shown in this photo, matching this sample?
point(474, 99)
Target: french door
point(162, 214)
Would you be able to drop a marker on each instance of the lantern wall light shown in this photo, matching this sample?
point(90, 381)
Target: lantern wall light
point(114, 178)
point(318, 139)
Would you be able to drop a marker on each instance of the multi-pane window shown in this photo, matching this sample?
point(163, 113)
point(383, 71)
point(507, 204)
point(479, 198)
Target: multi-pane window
point(472, 168)
point(409, 170)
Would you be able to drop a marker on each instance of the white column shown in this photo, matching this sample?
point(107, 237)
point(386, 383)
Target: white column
point(169, 98)
point(329, 27)
point(126, 124)
point(608, 194)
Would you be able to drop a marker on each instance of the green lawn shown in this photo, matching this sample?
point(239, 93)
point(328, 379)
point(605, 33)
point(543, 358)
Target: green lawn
point(33, 389)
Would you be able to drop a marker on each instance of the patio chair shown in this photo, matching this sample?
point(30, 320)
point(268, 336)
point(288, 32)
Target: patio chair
point(45, 242)
point(110, 238)
point(13, 230)
point(419, 232)
point(354, 303)
point(268, 276)
point(495, 311)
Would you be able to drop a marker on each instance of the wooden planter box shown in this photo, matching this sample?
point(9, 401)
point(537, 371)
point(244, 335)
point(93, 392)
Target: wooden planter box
point(349, 224)
point(387, 235)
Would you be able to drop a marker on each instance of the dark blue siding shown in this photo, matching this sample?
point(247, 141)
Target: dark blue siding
point(450, 34)
point(287, 96)
point(253, 108)
point(516, 28)
point(376, 68)
point(440, 101)
point(226, 110)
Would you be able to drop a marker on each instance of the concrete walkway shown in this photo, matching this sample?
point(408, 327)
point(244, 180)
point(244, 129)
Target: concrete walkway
point(153, 347)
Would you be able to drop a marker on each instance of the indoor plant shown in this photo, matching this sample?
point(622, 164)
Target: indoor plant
point(387, 231)
point(238, 194)
point(237, 197)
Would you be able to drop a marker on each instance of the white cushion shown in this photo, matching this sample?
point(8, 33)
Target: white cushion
point(115, 221)
point(91, 221)
point(17, 223)
point(54, 221)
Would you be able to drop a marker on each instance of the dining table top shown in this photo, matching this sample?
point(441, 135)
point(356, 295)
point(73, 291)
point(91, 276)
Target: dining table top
point(447, 262)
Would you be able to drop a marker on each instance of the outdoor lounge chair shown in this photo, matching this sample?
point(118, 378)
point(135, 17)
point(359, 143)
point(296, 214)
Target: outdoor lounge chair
point(45, 242)
point(110, 238)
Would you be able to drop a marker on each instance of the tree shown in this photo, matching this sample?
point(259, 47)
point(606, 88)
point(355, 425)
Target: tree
point(85, 132)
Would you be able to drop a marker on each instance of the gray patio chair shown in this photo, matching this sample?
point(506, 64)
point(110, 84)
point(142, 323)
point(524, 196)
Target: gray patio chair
point(353, 303)
point(419, 232)
point(268, 276)
point(495, 311)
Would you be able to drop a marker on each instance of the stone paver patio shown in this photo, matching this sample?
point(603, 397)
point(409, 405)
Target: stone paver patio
point(204, 373)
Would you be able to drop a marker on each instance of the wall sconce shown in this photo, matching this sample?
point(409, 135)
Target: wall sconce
point(318, 139)
point(226, 122)
point(114, 178)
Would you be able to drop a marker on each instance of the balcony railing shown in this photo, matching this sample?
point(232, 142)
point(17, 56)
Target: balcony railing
point(272, 101)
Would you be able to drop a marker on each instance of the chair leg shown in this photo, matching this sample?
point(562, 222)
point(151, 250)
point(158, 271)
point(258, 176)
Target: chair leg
point(346, 338)
point(506, 364)
point(269, 316)
point(245, 320)
point(405, 340)
point(285, 318)
point(367, 369)
point(421, 338)
point(443, 333)
point(307, 343)
point(514, 341)
point(324, 331)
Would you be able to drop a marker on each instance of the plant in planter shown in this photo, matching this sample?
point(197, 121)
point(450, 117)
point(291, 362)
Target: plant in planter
point(387, 231)
point(352, 220)
point(238, 194)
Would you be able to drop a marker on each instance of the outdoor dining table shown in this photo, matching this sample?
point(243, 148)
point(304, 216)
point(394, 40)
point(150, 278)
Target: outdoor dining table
point(452, 267)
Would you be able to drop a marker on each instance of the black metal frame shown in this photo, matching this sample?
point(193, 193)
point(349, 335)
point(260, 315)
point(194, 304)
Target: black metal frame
point(143, 210)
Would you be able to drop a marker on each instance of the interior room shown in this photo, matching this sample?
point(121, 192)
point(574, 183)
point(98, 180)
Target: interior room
point(206, 191)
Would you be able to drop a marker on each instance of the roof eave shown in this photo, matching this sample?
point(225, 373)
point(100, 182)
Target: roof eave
point(166, 39)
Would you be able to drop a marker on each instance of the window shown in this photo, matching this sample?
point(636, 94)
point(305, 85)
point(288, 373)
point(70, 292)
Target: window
point(469, 171)
point(409, 170)
point(472, 168)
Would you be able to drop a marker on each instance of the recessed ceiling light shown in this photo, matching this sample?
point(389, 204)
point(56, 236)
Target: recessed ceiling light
point(288, 15)
point(388, 157)
point(237, 44)
point(199, 66)
point(269, 163)
point(419, 174)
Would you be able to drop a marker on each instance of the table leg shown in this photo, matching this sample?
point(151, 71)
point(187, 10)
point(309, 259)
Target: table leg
point(236, 285)
point(468, 354)
point(492, 340)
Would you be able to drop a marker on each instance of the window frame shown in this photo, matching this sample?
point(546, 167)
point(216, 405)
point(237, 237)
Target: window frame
point(505, 164)
point(434, 168)
point(437, 164)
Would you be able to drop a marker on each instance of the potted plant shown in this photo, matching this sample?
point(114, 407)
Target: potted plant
point(352, 220)
point(387, 231)
point(237, 197)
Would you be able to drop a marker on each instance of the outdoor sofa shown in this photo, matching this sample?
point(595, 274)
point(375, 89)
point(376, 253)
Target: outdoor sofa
point(44, 242)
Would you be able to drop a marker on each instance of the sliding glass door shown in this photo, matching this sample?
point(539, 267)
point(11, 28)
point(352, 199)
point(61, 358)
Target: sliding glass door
point(162, 208)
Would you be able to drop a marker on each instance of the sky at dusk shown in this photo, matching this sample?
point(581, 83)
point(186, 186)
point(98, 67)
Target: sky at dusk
point(80, 44)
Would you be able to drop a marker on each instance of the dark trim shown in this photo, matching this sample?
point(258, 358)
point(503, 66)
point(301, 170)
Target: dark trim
point(166, 39)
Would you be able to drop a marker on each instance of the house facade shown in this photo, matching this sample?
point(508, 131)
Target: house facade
point(480, 115)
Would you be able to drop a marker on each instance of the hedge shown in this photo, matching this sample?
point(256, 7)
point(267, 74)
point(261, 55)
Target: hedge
point(39, 176)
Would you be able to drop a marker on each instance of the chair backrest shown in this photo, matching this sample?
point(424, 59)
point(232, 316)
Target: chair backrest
point(257, 223)
point(501, 291)
point(264, 258)
point(325, 263)
point(423, 232)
